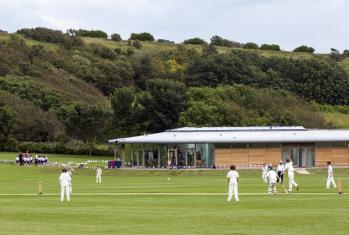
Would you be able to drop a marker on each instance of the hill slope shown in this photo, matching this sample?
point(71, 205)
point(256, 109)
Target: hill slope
point(91, 89)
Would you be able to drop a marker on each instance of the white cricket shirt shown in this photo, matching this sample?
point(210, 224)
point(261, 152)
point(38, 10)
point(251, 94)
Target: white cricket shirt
point(233, 177)
point(272, 177)
point(64, 179)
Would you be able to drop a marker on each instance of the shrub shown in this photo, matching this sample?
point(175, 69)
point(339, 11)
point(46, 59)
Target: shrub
point(137, 44)
point(270, 47)
point(195, 41)
point(165, 41)
point(52, 36)
point(346, 53)
point(89, 33)
point(304, 48)
point(336, 55)
point(130, 51)
point(73, 147)
point(116, 37)
point(219, 41)
point(250, 45)
point(103, 51)
point(142, 37)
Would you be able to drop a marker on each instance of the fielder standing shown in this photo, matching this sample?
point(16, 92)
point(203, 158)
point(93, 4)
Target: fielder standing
point(65, 182)
point(290, 170)
point(233, 177)
point(99, 175)
point(330, 178)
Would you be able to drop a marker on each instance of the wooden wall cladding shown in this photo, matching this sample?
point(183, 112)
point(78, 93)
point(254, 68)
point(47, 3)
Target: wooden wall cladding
point(247, 156)
point(337, 155)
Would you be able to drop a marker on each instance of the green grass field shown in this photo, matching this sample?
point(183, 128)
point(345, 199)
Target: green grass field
point(146, 202)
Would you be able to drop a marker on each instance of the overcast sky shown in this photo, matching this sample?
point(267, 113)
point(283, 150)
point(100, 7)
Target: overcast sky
point(319, 23)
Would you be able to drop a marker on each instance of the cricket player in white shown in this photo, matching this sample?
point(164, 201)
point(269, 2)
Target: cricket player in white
point(99, 175)
point(272, 180)
point(330, 178)
point(280, 170)
point(290, 170)
point(65, 182)
point(264, 172)
point(233, 176)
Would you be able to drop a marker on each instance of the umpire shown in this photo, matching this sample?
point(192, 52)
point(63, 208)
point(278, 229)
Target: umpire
point(280, 170)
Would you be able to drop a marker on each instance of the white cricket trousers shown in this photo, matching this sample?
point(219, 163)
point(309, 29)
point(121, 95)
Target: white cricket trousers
point(65, 190)
point(233, 189)
point(98, 178)
point(330, 180)
point(272, 188)
point(291, 181)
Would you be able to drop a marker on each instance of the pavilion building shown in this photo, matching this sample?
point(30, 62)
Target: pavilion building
point(208, 147)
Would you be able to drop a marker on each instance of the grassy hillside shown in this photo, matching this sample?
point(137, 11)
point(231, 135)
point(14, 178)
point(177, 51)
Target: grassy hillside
point(88, 89)
point(155, 47)
point(338, 120)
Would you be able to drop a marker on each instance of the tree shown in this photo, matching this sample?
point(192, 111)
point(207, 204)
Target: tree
point(127, 111)
point(219, 41)
point(336, 55)
point(6, 123)
point(88, 123)
point(142, 37)
point(163, 103)
point(195, 41)
point(304, 48)
point(116, 37)
point(250, 45)
point(346, 53)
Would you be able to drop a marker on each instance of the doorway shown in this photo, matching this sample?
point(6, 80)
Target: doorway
point(301, 155)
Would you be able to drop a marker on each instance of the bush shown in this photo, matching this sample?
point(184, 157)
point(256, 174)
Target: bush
point(195, 41)
point(219, 41)
point(73, 147)
point(142, 37)
point(130, 51)
point(336, 55)
point(116, 37)
point(250, 45)
point(52, 36)
point(137, 44)
point(165, 41)
point(304, 48)
point(88, 33)
point(103, 51)
point(270, 47)
point(346, 53)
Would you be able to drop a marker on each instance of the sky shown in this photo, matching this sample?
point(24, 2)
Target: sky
point(322, 24)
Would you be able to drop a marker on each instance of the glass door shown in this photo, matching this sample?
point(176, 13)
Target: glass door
point(302, 157)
